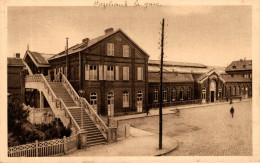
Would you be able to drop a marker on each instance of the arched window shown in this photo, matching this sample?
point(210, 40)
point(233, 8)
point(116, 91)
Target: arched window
point(173, 94)
point(164, 94)
point(155, 99)
point(125, 99)
point(189, 93)
point(181, 93)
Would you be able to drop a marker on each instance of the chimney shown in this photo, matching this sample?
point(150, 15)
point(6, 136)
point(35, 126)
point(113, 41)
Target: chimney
point(244, 58)
point(17, 55)
point(109, 30)
point(85, 40)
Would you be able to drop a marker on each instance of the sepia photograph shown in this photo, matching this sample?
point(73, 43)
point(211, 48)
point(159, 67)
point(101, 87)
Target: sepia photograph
point(130, 78)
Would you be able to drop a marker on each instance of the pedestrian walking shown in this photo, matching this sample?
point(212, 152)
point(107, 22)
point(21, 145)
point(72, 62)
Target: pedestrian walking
point(147, 111)
point(232, 110)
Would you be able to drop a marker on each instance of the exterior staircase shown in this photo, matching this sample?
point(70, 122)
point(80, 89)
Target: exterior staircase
point(70, 108)
point(62, 93)
point(94, 137)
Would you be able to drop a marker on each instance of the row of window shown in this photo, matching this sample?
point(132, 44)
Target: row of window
point(109, 72)
point(173, 94)
point(93, 98)
point(237, 90)
point(111, 50)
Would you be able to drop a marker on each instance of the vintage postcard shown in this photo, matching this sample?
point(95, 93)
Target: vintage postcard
point(107, 81)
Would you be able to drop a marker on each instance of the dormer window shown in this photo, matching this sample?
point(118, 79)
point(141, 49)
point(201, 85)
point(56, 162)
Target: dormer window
point(244, 66)
point(234, 67)
point(110, 49)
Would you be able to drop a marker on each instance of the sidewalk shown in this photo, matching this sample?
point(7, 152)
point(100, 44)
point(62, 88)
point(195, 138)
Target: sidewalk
point(139, 143)
point(172, 109)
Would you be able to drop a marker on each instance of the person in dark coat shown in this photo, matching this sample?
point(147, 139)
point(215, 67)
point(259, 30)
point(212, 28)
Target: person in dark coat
point(232, 110)
point(147, 111)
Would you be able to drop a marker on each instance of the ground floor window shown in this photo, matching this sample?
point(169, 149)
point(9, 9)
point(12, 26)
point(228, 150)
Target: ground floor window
point(234, 91)
point(155, 98)
point(164, 94)
point(125, 99)
point(181, 94)
point(173, 94)
point(203, 93)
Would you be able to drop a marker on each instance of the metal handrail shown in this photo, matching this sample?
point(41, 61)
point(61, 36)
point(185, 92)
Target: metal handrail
point(55, 97)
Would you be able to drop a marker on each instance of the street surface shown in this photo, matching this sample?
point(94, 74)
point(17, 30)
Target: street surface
point(206, 131)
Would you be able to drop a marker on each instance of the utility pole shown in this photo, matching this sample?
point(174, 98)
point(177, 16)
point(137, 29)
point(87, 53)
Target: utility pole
point(67, 59)
point(161, 97)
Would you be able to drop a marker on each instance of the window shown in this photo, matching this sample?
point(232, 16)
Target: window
point(250, 76)
point(246, 76)
point(189, 93)
point(155, 99)
point(238, 90)
point(140, 73)
point(125, 51)
point(181, 94)
point(93, 100)
point(93, 72)
point(234, 91)
point(125, 73)
point(244, 66)
point(125, 99)
point(164, 94)
point(110, 72)
point(110, 49)
point(204, 93)
point(173, 94)
point(234, 67)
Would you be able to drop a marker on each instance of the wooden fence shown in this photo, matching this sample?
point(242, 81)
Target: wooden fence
point(45, 148)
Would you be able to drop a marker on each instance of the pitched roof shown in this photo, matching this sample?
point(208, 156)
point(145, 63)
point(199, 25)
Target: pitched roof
point(15, 62)
point(235, 78)
point(84, 45)
point(39, 59)
point(170, 77)
point(240, 65)
point(178, 64)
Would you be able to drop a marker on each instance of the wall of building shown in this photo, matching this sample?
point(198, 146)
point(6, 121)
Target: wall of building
point(15, 82)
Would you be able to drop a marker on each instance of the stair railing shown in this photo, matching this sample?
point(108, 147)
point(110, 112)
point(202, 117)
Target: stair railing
point(90, 111)
point(95, 118)
point(59, 101)
point(71, 90)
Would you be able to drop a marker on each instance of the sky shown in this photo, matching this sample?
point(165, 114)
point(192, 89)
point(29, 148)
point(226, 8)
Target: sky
point(211, 35)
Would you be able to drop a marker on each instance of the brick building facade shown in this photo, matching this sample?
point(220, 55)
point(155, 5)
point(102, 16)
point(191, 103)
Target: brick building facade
point(112, 71)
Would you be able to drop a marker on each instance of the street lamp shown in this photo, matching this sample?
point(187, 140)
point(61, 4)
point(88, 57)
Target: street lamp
point(81, 92)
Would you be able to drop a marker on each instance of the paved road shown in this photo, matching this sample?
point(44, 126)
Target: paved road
point(207, 131)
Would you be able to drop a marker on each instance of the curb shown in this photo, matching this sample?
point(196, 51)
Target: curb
point(191, 107)
point(162, 154)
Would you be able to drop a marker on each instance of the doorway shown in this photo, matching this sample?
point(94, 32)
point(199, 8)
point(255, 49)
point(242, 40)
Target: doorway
point(110, 104)
point(212, 96)
point(139, 101)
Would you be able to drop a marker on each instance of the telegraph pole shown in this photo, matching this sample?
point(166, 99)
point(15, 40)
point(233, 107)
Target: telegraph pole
point(67, 59)
point(161, 99)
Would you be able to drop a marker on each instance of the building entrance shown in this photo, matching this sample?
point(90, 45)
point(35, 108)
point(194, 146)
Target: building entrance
point(213, 91)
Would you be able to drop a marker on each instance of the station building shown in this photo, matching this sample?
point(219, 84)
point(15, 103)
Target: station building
point(116, 76)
